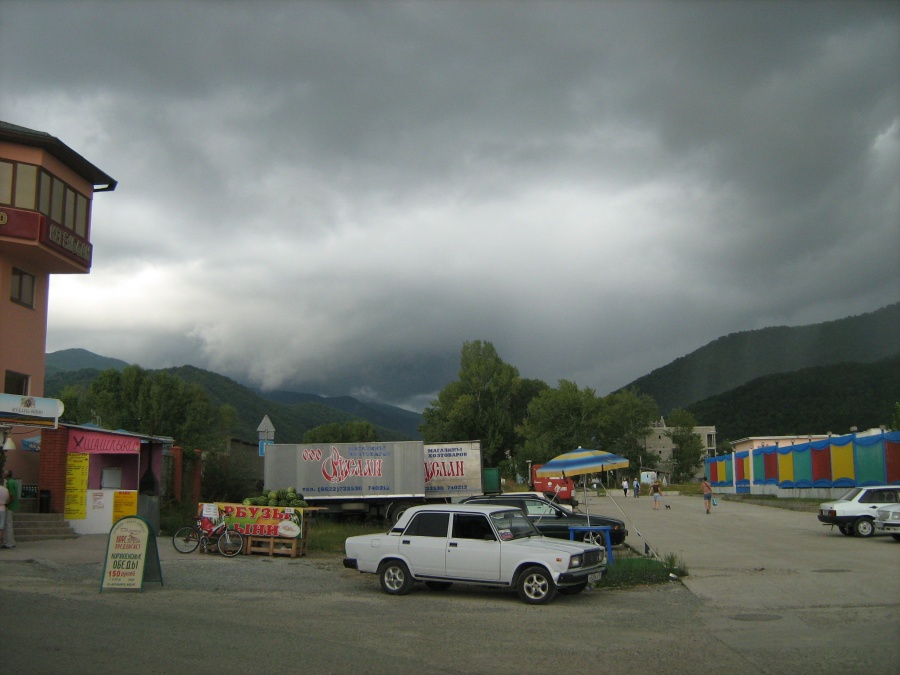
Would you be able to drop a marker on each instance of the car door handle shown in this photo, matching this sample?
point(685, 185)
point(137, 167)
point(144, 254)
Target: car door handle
point(405, 541)
point(452, 544)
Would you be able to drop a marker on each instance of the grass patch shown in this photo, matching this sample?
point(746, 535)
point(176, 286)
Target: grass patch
point(173, 515)
point(327, 536)
point(626, 572)
point(688, 489)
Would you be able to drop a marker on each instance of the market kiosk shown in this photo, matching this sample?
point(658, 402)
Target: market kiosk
point(104, 475)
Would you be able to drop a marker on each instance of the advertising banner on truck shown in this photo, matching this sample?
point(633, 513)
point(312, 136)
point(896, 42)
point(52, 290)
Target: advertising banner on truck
point(345, 470)
point(453, 469)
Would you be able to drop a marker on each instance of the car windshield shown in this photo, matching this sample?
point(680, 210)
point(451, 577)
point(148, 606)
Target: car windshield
point(849, 495)
point(513, 524)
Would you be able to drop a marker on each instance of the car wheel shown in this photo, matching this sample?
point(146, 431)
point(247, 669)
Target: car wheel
point(395, 577)
point(864, 527)
point(573, 590)
point(896, 537)
point(536, 586)
point(439, 585)
point(594, 538)
point(846, 530)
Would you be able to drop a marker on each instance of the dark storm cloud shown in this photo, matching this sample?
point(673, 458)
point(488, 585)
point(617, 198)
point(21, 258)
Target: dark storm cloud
point(337, 195)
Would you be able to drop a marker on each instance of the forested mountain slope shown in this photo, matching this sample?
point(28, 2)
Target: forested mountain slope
point(810, 401)
point(738, 358)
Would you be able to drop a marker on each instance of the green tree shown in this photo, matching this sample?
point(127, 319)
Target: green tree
point(625, 424)
point(687, 455)
point(895, 423)
point(227, 477)
point(75, 404)
point(155, 403)
point(355, 431)
point(483, 404)
point(559, 420)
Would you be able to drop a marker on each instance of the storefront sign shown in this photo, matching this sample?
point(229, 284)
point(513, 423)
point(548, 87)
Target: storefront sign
point(125, 503)
point(263, 521)
point(131, 555)
point(68, 243)
point(30, 411)
point(20, 224)
point(76, 486)
point(99, 443)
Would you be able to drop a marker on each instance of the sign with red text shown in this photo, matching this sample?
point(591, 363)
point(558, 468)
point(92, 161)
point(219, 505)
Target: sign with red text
point(263, 521)
point(131, 556)
point(453, 469)
point(93, 442)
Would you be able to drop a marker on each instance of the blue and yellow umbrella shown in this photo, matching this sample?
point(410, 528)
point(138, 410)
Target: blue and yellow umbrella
point(580, 462)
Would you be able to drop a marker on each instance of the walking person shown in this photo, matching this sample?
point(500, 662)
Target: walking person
point(14, 487)
point(625, 486)
point(656, 493)
point(707, 494)
point(636, 488)
point(4, 500)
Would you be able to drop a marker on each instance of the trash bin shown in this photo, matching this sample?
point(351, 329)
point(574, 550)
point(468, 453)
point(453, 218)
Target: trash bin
point(44, 501)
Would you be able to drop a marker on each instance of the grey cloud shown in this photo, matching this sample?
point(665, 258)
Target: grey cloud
point(335, 196)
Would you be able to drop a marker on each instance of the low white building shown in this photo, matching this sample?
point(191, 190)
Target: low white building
point(660, 444)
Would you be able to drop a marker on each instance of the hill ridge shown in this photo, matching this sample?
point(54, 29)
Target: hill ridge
point(737, 358)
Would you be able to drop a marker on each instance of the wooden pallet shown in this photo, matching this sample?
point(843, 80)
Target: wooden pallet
point(273, 546)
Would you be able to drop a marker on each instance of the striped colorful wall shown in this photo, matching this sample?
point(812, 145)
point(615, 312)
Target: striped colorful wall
point(841, 461)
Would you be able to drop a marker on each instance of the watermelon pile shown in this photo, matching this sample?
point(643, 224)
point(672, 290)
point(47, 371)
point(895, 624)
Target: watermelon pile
point(283, 497)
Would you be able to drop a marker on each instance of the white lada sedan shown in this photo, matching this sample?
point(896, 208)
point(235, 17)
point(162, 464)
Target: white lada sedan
point(489, 545)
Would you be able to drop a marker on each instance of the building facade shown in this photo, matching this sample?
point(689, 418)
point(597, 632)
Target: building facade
point(46, 193)
point(659, 444)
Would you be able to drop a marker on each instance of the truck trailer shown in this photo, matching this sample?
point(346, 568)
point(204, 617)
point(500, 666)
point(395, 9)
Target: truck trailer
point(375, 480)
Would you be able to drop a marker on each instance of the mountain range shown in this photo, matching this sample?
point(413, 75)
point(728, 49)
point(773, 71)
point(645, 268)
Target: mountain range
point(771, 381)
point(739, 358)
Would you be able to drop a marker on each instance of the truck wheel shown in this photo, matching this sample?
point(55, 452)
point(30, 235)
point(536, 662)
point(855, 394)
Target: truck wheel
point(439, 585)
point(398, 514)
point(864, 527)
point(395, 577)
point(536, 586)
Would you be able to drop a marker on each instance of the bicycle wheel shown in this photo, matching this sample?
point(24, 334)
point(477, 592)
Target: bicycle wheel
point(186, 539)
point(230, 543)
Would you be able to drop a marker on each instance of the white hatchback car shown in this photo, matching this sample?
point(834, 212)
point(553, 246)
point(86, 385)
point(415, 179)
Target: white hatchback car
point(854, 511)
point(888, 521)
point(475, 544)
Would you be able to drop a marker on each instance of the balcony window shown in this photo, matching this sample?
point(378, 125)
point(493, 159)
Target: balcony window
point(22, 291)
point(6, 176)
point(15, 383)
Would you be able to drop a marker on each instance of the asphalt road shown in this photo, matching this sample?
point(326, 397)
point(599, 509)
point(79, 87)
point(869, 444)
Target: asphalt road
point(768, 591)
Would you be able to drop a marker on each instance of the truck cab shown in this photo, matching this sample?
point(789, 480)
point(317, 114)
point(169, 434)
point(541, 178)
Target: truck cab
point(563, 488)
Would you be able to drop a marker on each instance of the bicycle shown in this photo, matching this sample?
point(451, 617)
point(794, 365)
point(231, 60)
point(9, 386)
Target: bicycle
point(186, 539)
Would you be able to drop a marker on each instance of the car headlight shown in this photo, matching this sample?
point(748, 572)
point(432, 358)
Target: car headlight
point(895, 515)
point(576, 561)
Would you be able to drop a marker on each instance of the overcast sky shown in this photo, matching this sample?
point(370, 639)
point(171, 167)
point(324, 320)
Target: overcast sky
point(333, 197)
